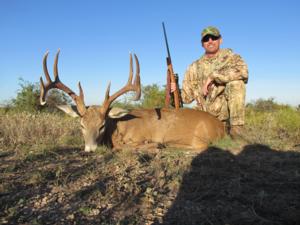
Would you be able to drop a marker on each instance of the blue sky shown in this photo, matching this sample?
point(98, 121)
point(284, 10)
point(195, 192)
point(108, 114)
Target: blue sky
point(95, 38)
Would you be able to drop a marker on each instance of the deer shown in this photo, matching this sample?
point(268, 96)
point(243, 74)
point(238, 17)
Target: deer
point(119, 128)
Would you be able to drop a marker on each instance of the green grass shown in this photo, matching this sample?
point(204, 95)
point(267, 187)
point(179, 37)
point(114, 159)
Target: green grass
point(226, 143)
point(277, 128)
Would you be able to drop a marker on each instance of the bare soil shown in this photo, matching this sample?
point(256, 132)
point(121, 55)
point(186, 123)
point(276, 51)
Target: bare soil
point(250, 185)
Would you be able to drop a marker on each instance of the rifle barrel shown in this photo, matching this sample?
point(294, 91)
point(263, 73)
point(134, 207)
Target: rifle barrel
point(166, 40)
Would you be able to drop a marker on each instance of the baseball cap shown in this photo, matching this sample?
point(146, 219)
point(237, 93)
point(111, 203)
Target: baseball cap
point(210, 30)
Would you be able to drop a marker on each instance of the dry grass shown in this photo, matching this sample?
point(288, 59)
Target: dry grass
point(46, 178)
point(277, 128)
point(19, 130)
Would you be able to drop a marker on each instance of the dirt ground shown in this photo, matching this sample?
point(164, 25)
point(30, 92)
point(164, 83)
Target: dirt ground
point(250, 185)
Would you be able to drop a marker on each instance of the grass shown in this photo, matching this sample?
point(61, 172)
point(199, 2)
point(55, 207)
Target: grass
point(47, 178)
point(226, 143)
point(267, 123)
point(23, 131)
point(277, 128)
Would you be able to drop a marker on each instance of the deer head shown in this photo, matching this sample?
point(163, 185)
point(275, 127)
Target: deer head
point(92, 119)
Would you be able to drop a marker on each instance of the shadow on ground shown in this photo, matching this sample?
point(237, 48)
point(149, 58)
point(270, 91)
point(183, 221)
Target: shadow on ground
point(66, 186)
point(257, 186)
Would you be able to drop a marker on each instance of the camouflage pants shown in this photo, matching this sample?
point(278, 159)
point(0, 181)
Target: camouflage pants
point(235, 93)
point(229, 105)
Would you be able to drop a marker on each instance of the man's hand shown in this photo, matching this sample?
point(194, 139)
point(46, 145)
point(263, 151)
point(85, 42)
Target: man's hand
point(206, 86)
point(199, 104)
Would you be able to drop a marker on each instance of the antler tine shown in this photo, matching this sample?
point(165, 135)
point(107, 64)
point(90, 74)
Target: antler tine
point(137, 79)
point(42, 94)
point(79, 100)
point(45, 67)
point(80, 91)
point(43, 88)
point(107, 92)
point(135, 86)
point(130, 71)
point(55, 69)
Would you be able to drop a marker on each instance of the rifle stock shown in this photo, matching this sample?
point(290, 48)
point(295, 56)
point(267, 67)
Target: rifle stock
point(173, 80)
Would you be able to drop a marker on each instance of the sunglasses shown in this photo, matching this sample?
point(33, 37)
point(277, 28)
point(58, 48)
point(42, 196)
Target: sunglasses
point(212, 37)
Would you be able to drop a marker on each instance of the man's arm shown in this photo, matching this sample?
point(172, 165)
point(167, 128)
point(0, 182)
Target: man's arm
point(187, 91)
point(236, 69)
point(191, 87)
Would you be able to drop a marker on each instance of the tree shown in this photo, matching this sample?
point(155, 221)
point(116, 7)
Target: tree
point(57, 97)
point(28, 95)
point(153, 96)
point(126, 102)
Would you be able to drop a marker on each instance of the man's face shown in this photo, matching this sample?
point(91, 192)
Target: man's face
point(211, 44)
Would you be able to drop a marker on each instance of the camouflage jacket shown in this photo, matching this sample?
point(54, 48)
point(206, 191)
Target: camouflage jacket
point(223, 68)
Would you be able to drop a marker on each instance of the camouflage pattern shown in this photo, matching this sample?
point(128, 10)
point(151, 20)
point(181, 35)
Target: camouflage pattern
point(226, 97)
point(210, 30)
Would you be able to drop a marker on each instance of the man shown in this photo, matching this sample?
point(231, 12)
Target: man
point(217, 81)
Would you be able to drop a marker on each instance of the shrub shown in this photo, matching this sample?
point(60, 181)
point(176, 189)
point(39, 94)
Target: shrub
point(28, 95)
point(153, 96)
point(273, 124)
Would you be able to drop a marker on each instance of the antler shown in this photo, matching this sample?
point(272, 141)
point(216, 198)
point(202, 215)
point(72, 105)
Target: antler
point(79, 100)
point(135, 86)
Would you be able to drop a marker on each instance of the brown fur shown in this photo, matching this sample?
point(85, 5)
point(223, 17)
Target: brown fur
point(186, 128)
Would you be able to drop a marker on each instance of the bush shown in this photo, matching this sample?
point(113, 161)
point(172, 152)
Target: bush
point(264, 105)
point(126, 102)
point(153, 96)
point(28, 98)
point(273, 124)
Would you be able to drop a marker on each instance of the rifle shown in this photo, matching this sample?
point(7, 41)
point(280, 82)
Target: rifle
point(171, 78)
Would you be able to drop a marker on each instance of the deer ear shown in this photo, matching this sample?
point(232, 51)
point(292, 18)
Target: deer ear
point(117, 112)
point(71, 110)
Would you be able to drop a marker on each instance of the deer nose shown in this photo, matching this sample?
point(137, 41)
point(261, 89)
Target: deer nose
point(90, 148)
